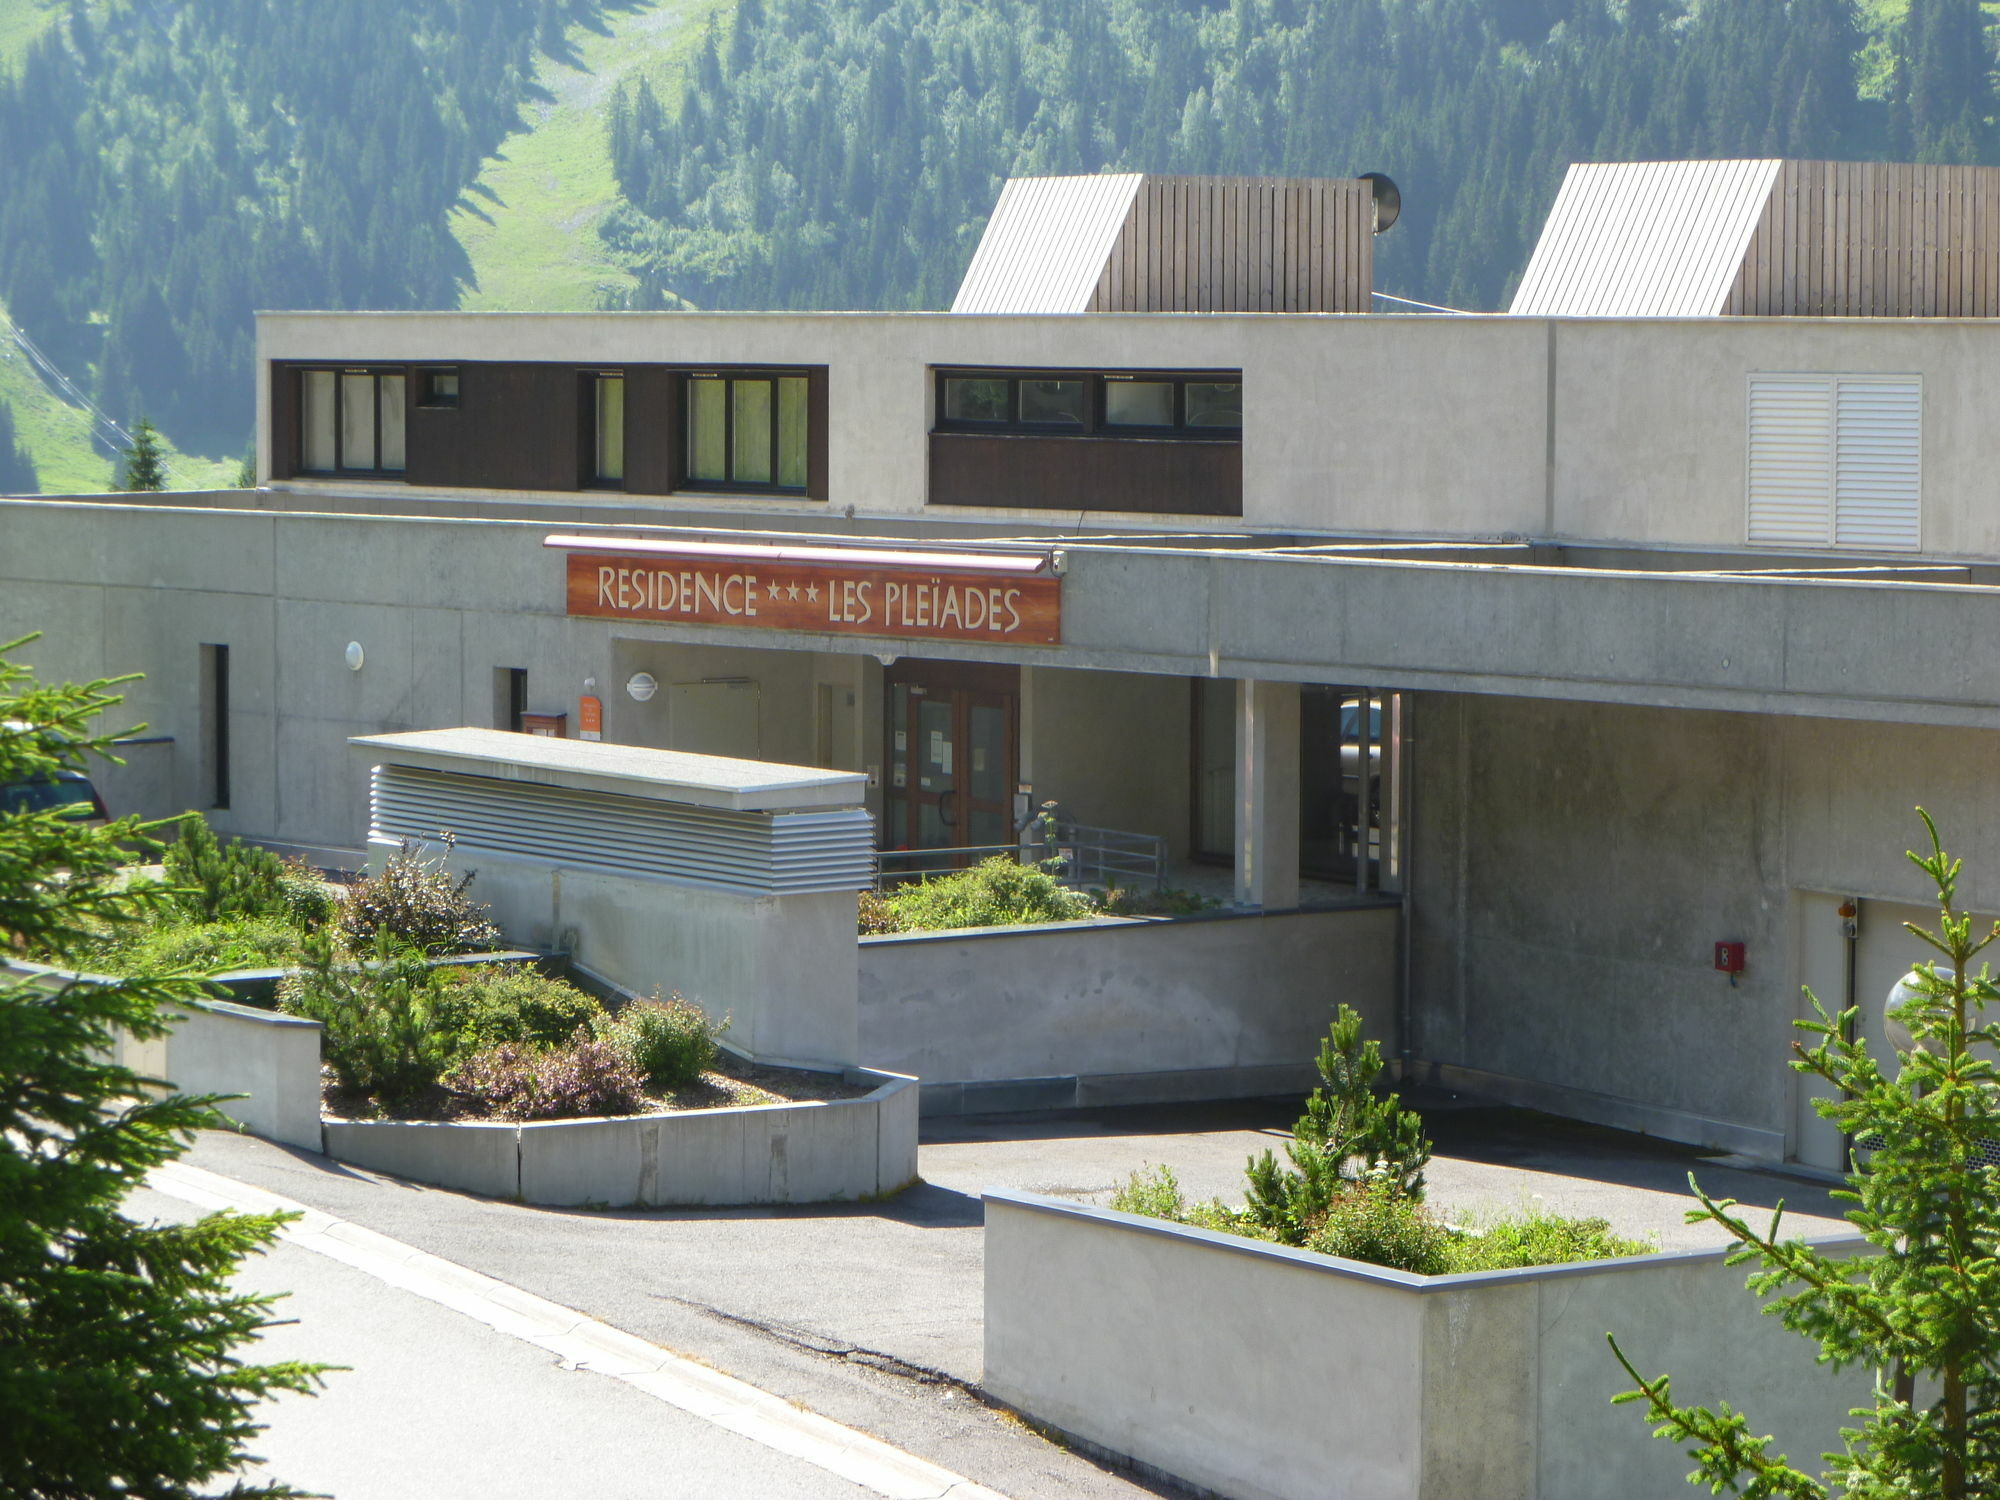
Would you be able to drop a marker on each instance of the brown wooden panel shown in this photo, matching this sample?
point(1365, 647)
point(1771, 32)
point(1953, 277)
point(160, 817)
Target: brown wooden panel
point(776, 594)
point(816, 434)
point(652, 429)
point(284, 421)
point(1155, 476)
point(516, 427)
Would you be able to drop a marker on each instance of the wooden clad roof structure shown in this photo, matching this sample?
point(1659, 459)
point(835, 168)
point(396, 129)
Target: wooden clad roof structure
point(1768, 238)
point(1134, 242)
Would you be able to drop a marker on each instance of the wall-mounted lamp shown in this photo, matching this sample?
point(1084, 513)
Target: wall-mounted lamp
point(640, 686)
point(355, 656)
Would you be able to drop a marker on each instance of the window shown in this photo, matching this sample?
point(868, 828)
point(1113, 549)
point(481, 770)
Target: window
point(1112, 404)
point(606, 391)
point(1834, 460)
point(351, 421)
point(746, 431)
point(437, 387)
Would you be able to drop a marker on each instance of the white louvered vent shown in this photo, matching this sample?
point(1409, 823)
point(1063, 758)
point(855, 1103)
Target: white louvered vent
point(1876, 466)
point(755, 852)
point(1834, 460)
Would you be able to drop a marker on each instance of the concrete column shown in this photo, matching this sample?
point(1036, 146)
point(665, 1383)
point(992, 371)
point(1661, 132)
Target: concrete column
point(1267, 795)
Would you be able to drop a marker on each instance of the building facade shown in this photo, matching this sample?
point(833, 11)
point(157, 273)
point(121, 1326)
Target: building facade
point(1591, 641)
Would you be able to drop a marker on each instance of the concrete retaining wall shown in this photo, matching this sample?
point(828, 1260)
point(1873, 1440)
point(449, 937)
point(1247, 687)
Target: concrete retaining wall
point(775, 965)
point(216, 1047)
point(1123, 1011)
point(1263, 1373)
point(811, 1152)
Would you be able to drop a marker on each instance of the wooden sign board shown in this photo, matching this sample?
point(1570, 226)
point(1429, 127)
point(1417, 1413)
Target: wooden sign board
point(900, 603)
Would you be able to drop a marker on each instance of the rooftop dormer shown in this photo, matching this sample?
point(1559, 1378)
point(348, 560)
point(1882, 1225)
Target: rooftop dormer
point(1768, 238)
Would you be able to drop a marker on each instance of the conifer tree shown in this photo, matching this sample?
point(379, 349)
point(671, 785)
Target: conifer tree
point(119, 1340)
point(1923, 1312)
point(17, 469)
point(144, 468)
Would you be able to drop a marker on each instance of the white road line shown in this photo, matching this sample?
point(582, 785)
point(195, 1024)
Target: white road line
point(583, 1343)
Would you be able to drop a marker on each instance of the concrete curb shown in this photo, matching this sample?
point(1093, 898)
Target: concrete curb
point(583, 1343)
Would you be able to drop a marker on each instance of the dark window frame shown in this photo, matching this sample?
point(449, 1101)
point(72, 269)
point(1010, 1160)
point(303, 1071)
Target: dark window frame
point(427, 395)
point(1094, 424)
point(728, 375)
point(340, 373)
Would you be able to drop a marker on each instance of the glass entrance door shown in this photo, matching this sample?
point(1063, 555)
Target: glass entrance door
point(952, 755)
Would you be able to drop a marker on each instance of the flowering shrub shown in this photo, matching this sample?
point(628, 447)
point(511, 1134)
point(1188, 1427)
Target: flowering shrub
point(581, 1077)
point(416, 901)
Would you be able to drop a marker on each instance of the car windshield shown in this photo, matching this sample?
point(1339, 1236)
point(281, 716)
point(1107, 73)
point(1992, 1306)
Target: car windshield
point(41, 796)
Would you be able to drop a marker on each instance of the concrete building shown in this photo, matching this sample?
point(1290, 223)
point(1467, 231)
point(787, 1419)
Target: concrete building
point(1649, 631)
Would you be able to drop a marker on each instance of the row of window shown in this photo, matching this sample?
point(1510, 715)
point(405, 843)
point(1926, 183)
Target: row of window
point(741, 431)
point(1118, 404)
point(749, 429)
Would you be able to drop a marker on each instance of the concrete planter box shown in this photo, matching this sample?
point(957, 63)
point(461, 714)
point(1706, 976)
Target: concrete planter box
point(811, 1152)
point(1263, 1373)
point(1123, 1010)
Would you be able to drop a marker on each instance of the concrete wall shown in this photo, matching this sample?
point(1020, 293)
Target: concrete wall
point(778, 968)
point(271, 1060)
point(1125, 1011)
point(1577, 863)
point(438, 604)
point(812, 1152)
point(1270, 1374)
point(1609, 429)
point(1112, 748)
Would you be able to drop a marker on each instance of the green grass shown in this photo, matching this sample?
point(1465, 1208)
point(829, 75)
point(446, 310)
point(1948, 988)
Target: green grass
point(21, 21)
point(56, 433)
point(529, 227)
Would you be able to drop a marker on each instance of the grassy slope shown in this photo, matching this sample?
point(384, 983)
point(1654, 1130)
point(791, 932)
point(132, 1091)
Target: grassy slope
point(21, 21)
point(530, 226)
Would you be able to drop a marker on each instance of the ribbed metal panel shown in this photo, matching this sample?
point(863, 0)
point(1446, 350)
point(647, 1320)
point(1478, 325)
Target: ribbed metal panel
point(1877, 468)
point(1046, 244)
point(1791, 459)
point(750, 852)
point(1661, 239)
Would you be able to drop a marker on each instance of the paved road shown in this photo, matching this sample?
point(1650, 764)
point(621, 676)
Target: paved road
point(871, 1315)
point(436, 1404)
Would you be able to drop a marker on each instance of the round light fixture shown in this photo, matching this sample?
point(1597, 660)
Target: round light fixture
point(355, 656)
point(640, 686)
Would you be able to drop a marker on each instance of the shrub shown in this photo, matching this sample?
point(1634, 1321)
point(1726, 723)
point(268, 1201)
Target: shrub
point(582, 1077)
point(483, 1005)
point(416, 902)
point(307, 901)
point(996, 892)
point(1159, 1196)
point(1376, 1221)
point(1540, 1238)
point(670, 1042)
point(875, 916)
point(213, 882)
point(382, 1036)
point(1347, 1134)
point(203, 947)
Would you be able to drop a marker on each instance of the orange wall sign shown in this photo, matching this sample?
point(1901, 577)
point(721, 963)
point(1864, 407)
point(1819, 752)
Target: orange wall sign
point(589, 718)
point(779, 594)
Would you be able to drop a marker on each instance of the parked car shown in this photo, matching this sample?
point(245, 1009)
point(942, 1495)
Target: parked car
point(67, 790)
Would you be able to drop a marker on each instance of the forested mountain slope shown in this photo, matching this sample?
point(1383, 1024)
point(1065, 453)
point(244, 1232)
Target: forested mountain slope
point(169, 168)
point(170, 165)
point(843, 153)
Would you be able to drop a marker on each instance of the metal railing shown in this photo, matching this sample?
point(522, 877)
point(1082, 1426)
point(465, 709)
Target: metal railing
point(1087, 855)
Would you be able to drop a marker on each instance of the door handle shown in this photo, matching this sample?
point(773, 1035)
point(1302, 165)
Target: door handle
point(947, 807)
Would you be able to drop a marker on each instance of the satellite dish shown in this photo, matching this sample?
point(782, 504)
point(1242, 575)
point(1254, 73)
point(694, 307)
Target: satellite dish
point(1388, 199)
